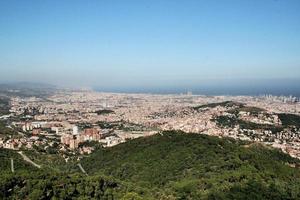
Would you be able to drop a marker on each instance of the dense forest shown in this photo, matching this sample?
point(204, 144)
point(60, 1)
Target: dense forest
point(192, 166)
point(170, 165)
point(4, 105)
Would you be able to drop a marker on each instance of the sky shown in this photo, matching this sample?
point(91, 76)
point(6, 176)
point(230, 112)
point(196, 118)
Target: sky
point(150, 44)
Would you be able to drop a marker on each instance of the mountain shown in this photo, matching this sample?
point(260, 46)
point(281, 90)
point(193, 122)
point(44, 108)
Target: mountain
point(27, 89)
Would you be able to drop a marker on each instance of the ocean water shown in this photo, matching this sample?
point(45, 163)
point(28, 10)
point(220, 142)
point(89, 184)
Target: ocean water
point(243, 87)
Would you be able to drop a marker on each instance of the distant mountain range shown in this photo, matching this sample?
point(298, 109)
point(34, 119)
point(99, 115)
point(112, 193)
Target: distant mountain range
point(27, 85)
point(26, 89)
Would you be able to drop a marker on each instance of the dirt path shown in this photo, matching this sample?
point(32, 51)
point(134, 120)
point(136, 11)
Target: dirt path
point(28, 160)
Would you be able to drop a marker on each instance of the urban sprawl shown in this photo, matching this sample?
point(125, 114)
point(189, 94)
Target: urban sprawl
point(76, 121)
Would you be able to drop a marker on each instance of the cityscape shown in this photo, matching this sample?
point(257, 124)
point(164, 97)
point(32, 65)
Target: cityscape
point(67, 119)
point(150, 100)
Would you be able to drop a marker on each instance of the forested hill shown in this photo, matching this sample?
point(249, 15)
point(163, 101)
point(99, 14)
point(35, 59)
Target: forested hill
point(171, 165)
point(29, 182)
point(192, 166)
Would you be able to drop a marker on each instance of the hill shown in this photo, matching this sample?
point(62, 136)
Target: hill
point(192, 166)
point(171, 165)
point(29, 182)
point(19, 164)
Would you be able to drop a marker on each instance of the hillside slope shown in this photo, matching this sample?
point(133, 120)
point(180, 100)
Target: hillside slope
point(192, 166)
point(172, 166)
point(29, 182)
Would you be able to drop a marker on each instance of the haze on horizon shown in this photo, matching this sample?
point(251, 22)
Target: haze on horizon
point(150, 44)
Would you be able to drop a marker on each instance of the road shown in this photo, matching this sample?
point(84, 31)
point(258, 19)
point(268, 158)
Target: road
point(28, 160)
point(81, 168)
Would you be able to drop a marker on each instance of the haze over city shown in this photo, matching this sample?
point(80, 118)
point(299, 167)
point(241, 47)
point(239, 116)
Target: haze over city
point(234, 47)
point(150, 99)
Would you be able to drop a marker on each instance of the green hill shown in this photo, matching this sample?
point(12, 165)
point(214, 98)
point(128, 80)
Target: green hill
point(192, 166)
point(19, 164)
point(29, 182)
point(171, 165)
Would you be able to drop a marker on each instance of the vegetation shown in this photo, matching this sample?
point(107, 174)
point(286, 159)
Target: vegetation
point(5, 161)
point(252, 110)
point(191, 166)
point(29, 182)
point(105, 111)
point(84, 125)
point(232, 121)
point(108, 125)
point(235, 107)
point(289, 119)
point(44, 185)
point(170, 165)
point(4, 105)
point(4, 130)
point(122, 125)
point(223, 104)
point(54, 162)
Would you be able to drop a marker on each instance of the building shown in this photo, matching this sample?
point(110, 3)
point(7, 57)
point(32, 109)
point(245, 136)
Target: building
point(91, 134)
point(73, 143)
point(36, 131)
point(75, 130)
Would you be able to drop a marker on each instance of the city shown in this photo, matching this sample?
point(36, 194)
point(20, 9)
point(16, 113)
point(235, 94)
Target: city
point(66, 120)
point(150, 100)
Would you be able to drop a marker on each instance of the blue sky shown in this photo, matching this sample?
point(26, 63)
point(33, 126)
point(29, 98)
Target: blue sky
point(140, 43)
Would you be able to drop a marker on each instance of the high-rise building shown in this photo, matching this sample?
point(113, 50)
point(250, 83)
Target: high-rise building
point(75, 130)
point(73, 143)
